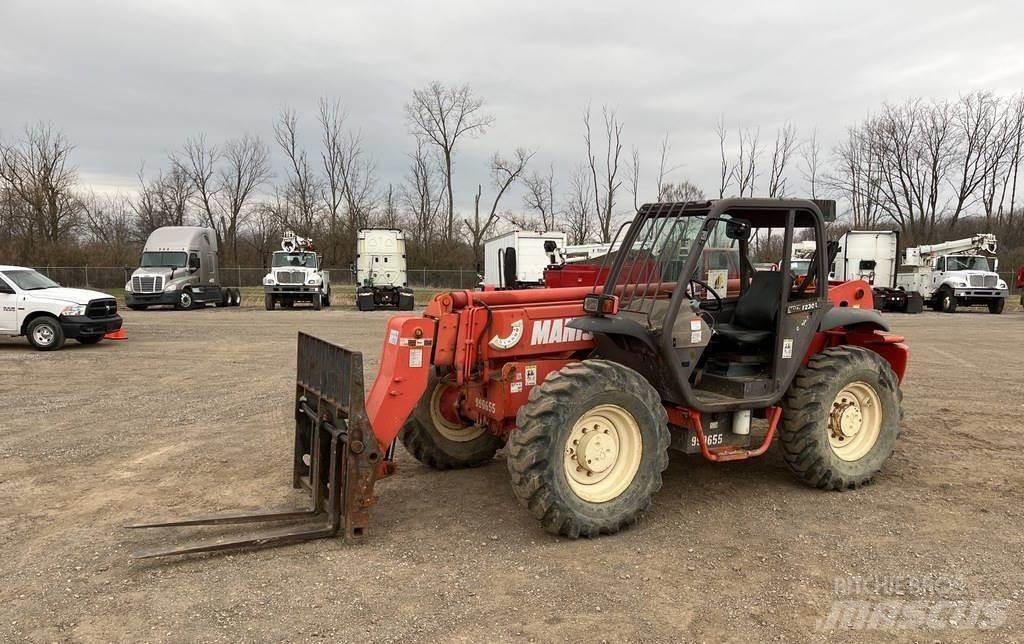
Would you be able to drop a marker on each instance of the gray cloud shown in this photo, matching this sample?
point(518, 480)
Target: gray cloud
point(129, 80)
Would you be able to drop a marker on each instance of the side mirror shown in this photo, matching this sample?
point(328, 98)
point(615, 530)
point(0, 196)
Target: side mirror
point(737, 229)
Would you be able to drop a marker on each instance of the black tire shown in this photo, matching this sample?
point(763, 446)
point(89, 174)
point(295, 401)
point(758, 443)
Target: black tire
point(137, 307)
point(947, 301)
point(536, 448)
point(238, 297)
point(327, 298)
point(225, 299)
point(268, 302)
point(996, 306)
point(806, 426)
point(91, 339)
point(44, 333)
point(428, 445)
point(185, 301)
point(318, 302)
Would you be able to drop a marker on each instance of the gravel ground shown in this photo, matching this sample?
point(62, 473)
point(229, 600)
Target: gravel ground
point(192, 415)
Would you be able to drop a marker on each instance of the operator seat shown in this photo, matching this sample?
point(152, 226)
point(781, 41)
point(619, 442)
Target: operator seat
point(753, 320)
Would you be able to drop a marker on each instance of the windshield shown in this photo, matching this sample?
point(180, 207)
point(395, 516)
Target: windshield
point(30, 280)
point(307, 260)
point(170, 260)
point(800, 266)
point(967, 263)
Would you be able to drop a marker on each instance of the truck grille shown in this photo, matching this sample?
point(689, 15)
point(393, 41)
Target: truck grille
point(986, 281)
point(101, 308)
point(148, 284)
point(291, 277)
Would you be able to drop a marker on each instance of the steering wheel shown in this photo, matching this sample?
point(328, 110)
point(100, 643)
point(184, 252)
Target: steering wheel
point(718, 298)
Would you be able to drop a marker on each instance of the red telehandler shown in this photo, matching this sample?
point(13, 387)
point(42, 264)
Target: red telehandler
point(589, 388)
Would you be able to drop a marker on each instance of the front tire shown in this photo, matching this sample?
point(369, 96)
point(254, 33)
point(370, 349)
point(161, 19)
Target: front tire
point(589, 449)
point(996, 306)
point(268, 302)
point(947, 302)
point(437, 437)
point(841, 418)
point(185, 301)
point(44, 333)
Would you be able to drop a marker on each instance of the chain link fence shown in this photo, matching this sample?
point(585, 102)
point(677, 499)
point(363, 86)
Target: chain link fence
point(115, 277)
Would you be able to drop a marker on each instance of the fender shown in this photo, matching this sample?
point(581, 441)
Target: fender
point(846, 317)
point(614, 326)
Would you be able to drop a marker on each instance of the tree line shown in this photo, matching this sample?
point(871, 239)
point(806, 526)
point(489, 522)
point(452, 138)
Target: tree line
point(933, 169)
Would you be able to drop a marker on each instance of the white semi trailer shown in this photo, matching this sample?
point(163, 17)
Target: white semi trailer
point(874, 256)
point(179, 268)
point(382, 278)
point(517, 259)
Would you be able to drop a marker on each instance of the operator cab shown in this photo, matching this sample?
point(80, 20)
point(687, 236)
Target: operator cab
point(685, 305)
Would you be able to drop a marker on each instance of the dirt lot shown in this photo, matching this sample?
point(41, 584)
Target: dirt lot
point(191, 415)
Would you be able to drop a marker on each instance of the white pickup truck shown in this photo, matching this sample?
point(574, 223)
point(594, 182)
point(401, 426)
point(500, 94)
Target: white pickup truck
point(35, 306)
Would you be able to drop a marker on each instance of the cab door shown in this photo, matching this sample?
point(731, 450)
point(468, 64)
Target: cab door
point(8, 307)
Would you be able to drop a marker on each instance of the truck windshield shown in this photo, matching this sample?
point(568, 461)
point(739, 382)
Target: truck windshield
point(307, 260)
point(800, 266)
point(28, 280)
point(170, 260)
point(967, 263)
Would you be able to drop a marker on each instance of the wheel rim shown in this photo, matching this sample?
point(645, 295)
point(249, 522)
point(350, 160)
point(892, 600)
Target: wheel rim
point(443, 399)
point(855, 421)
point(602, 453)
point(43, 335)
point(186, 299)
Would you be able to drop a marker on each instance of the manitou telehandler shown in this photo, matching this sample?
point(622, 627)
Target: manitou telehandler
point(588, 389)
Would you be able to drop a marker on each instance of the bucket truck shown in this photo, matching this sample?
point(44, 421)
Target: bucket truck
point(955, 273)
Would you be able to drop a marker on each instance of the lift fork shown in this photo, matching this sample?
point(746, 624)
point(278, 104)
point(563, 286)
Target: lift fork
point(337, 460)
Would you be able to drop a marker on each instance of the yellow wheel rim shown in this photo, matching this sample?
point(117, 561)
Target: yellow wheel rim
point(602, 453)
point(854, 421)
point(456, 432)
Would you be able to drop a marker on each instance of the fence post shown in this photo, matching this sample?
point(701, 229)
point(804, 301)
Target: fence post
point(86, 276)
point(239, 272)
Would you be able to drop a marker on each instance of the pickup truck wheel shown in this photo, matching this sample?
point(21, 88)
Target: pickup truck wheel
point(996, 306)
point(44, 333)
point(91, 339)
point(137, 307)
point(436, 436)
point(841, 418)
point(268, 302)
point(589, 449)
point(185, 301)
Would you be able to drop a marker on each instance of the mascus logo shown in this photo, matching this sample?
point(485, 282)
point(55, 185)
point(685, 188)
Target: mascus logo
point(555, 331)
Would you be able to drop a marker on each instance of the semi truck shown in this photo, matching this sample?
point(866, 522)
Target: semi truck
point(517, 259)
point(874, 256)
point(296, 275)
point(179, 268)
point(382, 278)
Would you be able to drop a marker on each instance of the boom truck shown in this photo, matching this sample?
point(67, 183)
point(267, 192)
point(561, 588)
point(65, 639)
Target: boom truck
point(296, 275)
point(591, 388)
point(955, 273)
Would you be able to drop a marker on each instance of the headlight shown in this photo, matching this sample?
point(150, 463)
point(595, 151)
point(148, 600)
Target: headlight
point(313, 280)
point(1002, 285)
point(172, 287)
point(268, 280)
point(128, 287)
point(961, 284)
point(73, 310)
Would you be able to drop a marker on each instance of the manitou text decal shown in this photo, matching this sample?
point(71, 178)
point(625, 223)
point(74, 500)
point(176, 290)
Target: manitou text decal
point(555, 331)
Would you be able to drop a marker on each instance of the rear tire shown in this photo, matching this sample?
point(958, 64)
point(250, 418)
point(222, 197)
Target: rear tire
point(996, 306)
point(841, 418)
point(44, 333)
point(589, 449)
point(440, 440)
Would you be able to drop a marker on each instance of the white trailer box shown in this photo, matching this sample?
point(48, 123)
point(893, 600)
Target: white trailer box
point(517, 259)
point(869, 255)
point(381, 272)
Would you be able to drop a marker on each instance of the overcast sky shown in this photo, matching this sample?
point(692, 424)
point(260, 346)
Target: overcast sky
point(130, 80)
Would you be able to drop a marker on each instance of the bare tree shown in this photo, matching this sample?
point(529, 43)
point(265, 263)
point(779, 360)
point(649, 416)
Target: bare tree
point(725, 170)
point(504, 172)
point(38, 172)
point(198, 162)
point(389, 216)
point(334, 155)
point(301, 184)
point(857, 176)
point(540, 196)
point(682, 191)
point(246, 167)
point(579, 218)
point(605, 187)
point(262, 231)
point(633, 165)
point(163, 200)
point(421, 194)
point(664, 170)
point(442, 115)
point(744, 170)
point(785, 145)
point(810, 167)
point(109, 221)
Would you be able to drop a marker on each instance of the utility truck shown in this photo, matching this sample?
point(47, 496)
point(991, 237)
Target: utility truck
point(296, 276)
point(382, 278)
point(954, 274)
point(179, 268)
point(40, 309)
